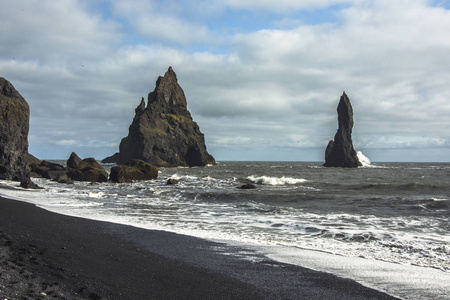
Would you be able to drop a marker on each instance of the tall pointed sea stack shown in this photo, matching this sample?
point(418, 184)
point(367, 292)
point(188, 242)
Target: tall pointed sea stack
point(14, 125)
point(340, 152)
point(163, 133)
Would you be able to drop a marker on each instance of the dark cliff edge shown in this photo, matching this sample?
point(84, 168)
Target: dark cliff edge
point(340, 152)
point(163, 133)
point(14, 126)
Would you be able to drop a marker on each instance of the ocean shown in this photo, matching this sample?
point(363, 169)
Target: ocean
point(367, 223)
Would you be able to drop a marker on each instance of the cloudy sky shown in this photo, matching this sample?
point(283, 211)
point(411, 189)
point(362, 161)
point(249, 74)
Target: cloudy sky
point(262, 78)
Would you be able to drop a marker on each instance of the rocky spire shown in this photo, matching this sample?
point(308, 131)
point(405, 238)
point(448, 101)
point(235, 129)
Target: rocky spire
point(164, 133)
point(340, 152)
point(141, 107)
point(168, 96)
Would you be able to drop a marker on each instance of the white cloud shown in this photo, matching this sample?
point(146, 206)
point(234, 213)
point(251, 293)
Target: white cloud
point(65, 142)
point(52, 32)
point(165, 28)
point(155, 23)
point(83, 74)
point(283, 5)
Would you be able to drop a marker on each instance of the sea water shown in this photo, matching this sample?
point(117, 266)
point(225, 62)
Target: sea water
point(385, 218)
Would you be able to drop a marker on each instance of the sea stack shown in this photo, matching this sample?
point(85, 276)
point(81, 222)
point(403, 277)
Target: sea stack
point(163, 133)
point(14, 126)
point(340, 152)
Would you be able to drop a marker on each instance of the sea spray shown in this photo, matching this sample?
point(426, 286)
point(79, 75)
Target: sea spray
point(275, 180)
point(364, 160)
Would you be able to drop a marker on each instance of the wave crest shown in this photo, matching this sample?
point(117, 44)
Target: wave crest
point(275, 180)
point(364, 160)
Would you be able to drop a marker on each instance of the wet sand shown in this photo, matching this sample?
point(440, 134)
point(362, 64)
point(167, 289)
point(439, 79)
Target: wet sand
point(44, 255)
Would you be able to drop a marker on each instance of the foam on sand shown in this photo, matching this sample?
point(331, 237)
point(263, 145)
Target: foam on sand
point(404, 281)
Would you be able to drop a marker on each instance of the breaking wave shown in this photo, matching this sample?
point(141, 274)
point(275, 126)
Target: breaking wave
point(363, 159)
point(275, 180)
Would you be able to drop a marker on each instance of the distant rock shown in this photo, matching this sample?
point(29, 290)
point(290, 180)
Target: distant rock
point(115, 158)
point(33, 163)
point(77, 169)
point(87, 174)
point(49, 170)
point(87, 169)
point(75, 162)
point(134, 170)
point(52, 166)
point(247, 186)
point(32, 160)
point(163, 133)
point(172, 181)
point(340, 152)
point(14, 126)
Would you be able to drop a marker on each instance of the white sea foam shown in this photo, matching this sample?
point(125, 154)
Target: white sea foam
point(364, 160)
point(404, 281)
point(183, 177)
point(440, 199)
point(275, 180)
point(96, 194)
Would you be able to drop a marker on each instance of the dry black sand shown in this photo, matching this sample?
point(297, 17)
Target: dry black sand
point(45, 255)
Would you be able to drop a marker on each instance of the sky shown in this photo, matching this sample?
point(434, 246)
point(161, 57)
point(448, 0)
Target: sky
point(262, 78)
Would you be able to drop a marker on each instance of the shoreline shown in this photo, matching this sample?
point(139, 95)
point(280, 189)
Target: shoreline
point(47, 255)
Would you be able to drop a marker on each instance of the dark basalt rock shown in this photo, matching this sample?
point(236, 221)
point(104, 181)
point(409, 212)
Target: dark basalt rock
point(28, 184)
point(75, 162)
point(33, 163)
point(49, 170)
point(87, 174)
point(247, 186)
point(133, 170)
point(14, 126)
point(115, 158)
point(87, 169)
point(340, 152)
point(77, 169)
point(163, 133)
point(172, 181)
point(32, 160)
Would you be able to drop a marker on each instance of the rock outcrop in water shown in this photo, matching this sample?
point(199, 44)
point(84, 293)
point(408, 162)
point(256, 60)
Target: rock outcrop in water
point(340, 152)
point(49, 170)
point(164, 133)
point(77, 169)
point(87, 169)
point(14, 126)
point(133, 170)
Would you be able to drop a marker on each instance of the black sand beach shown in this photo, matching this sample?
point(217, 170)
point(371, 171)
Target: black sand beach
point(44, 255)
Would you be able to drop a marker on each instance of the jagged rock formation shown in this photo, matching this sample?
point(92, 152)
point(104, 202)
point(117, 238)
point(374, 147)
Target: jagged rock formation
point(340, 152)
point(77, 169)
point(87, 169)
point(49, 170)
point(14, 126)
point(163, 133)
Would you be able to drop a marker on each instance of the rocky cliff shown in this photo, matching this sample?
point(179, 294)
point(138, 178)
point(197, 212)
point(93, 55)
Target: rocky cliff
point(14, 125)
point(340, 152)
point(163, 133)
